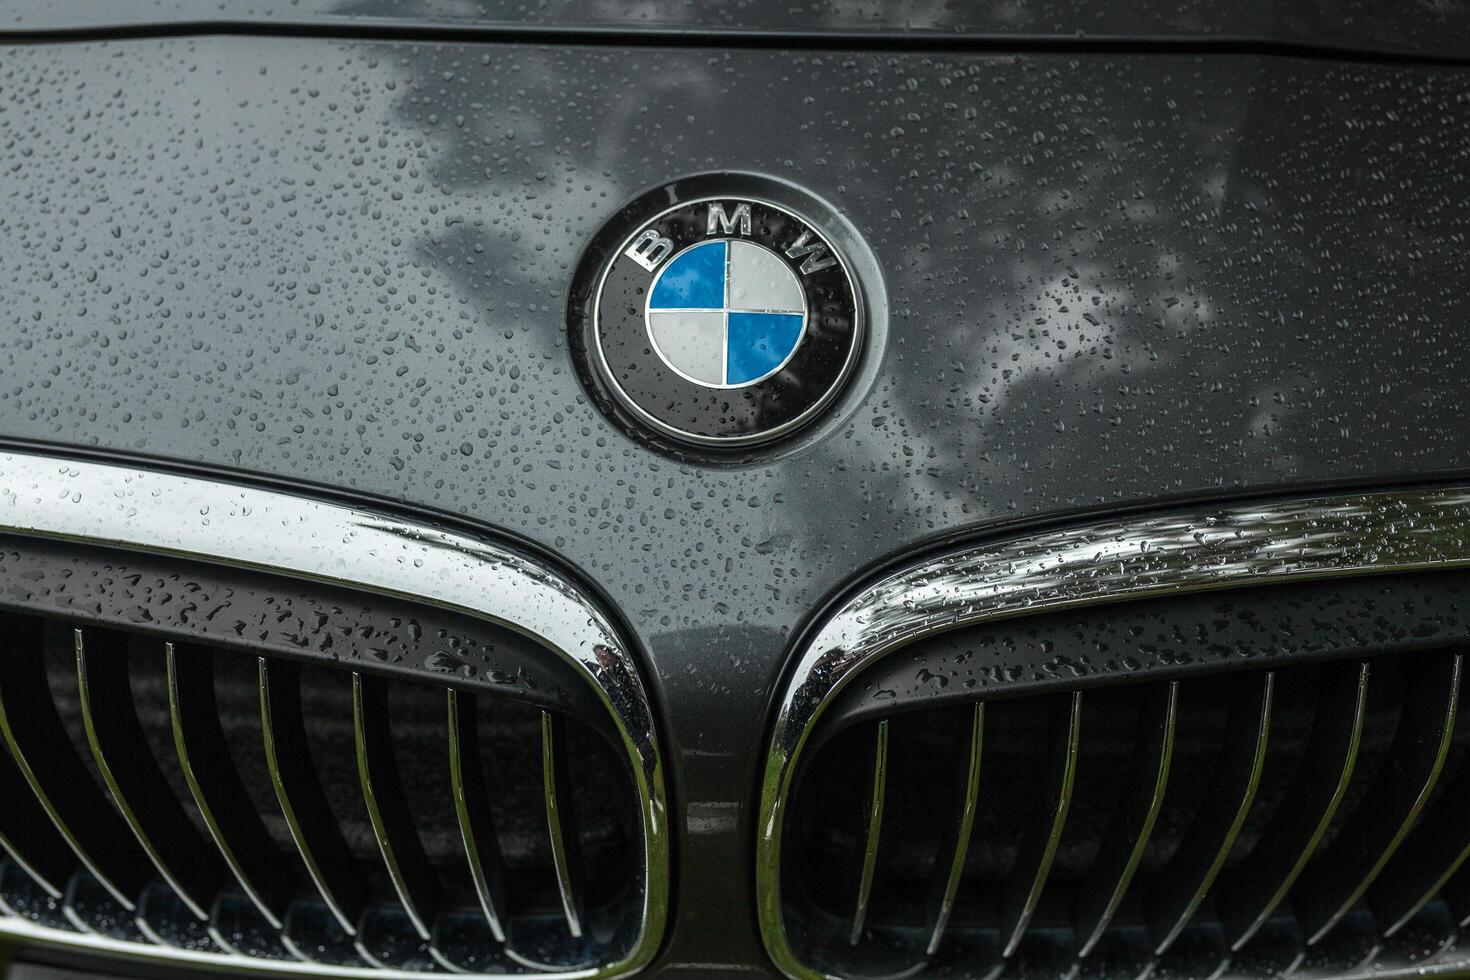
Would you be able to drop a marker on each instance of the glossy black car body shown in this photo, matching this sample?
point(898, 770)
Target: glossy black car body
point(1129, 256)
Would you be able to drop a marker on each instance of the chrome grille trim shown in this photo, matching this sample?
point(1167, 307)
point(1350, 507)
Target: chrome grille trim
point(275, 532)
point(1200, 549)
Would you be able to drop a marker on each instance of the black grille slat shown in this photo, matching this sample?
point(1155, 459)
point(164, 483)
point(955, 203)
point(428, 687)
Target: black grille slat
point(1456, 895)
point(23, 897)
point(29, 837)
point(1201, 855)
point(1421, 746)
point(388, 940)
point(398, 837)
point(1431, 856)
point(472, 810)
point(1354, 942)
point(1038, 850)
point(312, 933)
point(217, 788)
point(1276, 949)
point(317, 836)
point(954, 846)
point(91, 908)
point(165, 919)
point(1259, 885)
point(1102, 891)
point(33, 730)
point(237, 925)
point(872, 832)
point(565, 851)
point(1422, 938)
point(129, 769)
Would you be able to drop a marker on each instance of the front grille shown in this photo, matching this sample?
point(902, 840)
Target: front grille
point(1265, 819)
point(195, 797)
point(1209, 744)
point(214, 763)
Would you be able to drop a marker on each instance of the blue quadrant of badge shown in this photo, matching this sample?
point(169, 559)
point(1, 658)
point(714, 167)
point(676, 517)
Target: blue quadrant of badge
point(693, 281)
point(757, 343)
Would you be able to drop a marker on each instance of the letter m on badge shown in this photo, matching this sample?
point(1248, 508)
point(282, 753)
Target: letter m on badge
point(727, 223)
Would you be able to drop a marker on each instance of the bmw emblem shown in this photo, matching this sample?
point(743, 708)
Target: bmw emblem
point(724, 321)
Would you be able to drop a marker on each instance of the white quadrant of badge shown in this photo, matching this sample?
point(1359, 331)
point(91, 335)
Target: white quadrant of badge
point(726, 313)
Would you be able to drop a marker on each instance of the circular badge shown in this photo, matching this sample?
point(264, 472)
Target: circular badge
point(725, 321)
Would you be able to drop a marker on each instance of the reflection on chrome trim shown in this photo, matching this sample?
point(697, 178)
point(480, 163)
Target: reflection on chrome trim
point(1231, 547)
point(282, 533)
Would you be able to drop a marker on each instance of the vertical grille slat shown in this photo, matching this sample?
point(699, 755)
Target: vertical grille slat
point(1431, 856)
point(1420, 941)
point(217, 788)
point(237, 925)
point(388, 940)
point(1457, 895)
point(92, 909)
point(1033, 864)
point(1102, 891)
point(1259, 885)
point(28, 835)
point(472, 811)
point(23, 897)
point(873, 832)
point(1349, 949)
point(167, 920)
point(1328, 890)
point(1184, 884)
point(1275, 950)
point(138, 787)
point(956, 842)
point(76, 805)
point(565, 853)
point(402, 849)
point(313, 934)
point(297, 784)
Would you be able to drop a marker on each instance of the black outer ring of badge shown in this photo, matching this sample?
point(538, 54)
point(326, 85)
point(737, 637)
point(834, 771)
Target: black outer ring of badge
point(622, 356)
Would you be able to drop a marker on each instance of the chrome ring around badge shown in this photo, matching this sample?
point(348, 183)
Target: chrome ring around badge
point(726, 321)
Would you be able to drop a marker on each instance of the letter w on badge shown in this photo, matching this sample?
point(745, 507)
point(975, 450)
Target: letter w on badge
point(817, 256)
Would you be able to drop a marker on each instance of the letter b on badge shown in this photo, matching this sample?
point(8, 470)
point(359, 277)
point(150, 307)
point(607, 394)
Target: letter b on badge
point(649, 249)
